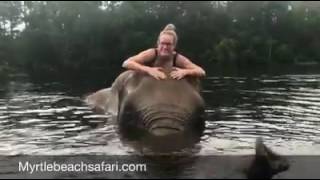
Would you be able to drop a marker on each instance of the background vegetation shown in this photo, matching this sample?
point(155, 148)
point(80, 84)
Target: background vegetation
point(89, 40)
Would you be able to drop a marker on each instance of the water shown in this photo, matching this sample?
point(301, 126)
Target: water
point(282, 109)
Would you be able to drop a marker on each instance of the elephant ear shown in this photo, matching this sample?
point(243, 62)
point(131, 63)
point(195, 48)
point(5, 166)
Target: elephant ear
point(102, 101)
point(266, 163)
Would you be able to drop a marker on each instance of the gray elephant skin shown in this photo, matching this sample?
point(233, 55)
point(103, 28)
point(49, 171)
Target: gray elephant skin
point(150, 107)
point(168, 115)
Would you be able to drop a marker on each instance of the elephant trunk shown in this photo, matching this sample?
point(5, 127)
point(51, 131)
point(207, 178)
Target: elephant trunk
point(162, 120)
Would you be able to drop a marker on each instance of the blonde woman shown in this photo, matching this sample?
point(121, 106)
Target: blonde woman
point(155, 61)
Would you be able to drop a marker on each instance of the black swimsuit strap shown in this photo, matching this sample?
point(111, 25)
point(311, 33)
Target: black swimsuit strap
point(175, 59)
point(155, 52)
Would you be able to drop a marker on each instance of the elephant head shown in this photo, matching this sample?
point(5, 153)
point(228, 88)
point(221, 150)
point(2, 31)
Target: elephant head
point(146, 107)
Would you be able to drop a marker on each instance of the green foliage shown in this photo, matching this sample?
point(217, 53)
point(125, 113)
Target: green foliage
point(226, 50)
point(83, 40)
point(283, 53)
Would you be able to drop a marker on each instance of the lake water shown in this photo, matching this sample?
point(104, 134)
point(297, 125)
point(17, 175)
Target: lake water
point(282, 109)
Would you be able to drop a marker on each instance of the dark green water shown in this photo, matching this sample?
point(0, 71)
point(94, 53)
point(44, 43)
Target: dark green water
point(283, 109)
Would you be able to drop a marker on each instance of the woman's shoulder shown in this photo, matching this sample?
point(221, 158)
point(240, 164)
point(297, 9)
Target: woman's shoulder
point(148, 52)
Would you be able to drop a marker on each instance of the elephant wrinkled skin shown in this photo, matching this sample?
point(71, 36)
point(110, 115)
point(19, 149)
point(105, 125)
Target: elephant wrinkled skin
point(157, 107)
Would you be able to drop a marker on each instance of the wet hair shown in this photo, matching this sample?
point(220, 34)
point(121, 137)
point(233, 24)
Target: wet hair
point(170, 29)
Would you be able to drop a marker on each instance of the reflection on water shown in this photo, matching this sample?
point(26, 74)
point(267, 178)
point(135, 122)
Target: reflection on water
point(36, 122)
point(284, 110)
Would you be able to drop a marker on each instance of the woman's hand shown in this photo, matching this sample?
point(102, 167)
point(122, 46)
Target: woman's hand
point(178, 73)
point(157, 73)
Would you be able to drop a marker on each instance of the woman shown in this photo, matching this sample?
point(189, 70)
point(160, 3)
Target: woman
point(155, 60)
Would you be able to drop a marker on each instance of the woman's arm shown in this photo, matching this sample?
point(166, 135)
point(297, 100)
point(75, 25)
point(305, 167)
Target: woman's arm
point(137, 62)
point(187, 68)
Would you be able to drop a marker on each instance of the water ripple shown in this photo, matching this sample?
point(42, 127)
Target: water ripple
point(275, 107)
point(284, 110)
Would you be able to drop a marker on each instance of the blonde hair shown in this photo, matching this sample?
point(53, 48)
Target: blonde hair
point(170, 30)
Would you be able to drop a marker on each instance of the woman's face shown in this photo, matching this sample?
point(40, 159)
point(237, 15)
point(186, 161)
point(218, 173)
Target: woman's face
point(166, 45)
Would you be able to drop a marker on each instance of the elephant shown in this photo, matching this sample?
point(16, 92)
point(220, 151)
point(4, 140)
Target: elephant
point(169, 115)
point(159, 108)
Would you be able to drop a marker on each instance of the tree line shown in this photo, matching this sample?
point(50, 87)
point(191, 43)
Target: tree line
point(90, 40)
